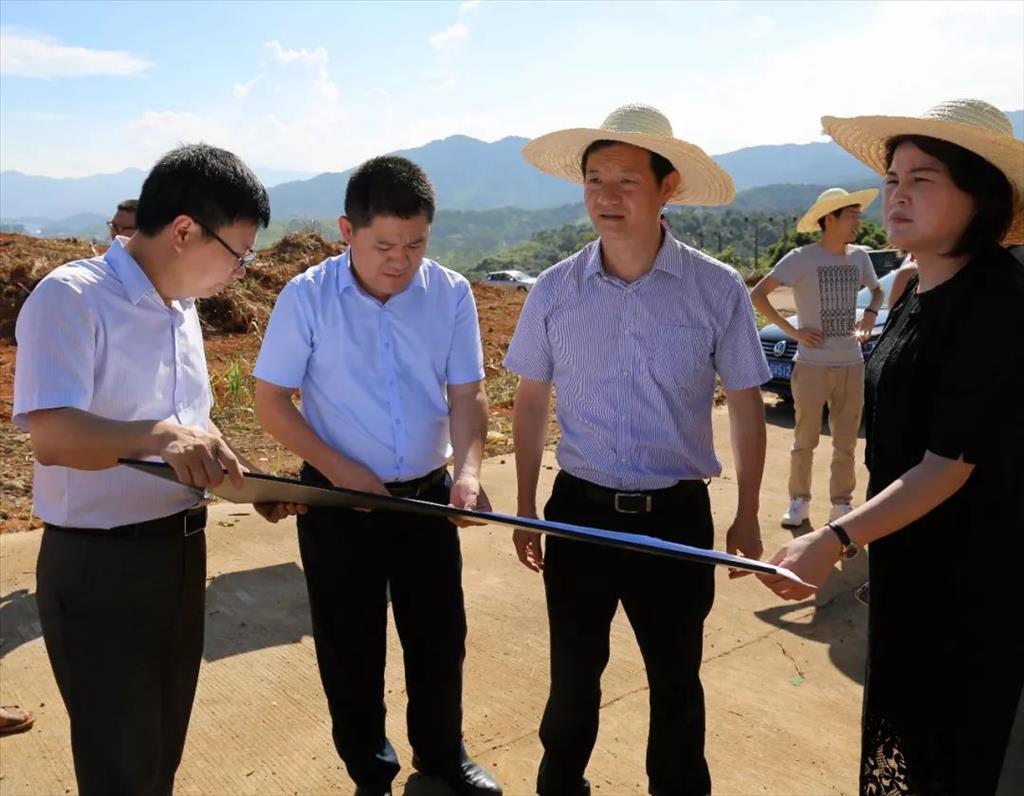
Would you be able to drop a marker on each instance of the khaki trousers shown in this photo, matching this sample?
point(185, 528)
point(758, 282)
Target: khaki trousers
point(842, 388)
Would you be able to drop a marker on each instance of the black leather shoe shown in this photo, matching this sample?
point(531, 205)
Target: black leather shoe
point(470, 780)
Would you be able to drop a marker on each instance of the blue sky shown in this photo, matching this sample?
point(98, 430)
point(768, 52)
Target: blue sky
point(89, 87)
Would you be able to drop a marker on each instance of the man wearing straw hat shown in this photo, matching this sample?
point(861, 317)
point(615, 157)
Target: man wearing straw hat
point(829, 367)
point(632, 330)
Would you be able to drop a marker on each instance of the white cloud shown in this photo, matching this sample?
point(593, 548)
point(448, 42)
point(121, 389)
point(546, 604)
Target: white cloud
point(760, 27)
point(777, 94)
point(28, 54)
point(449, 39)
point(468, 6)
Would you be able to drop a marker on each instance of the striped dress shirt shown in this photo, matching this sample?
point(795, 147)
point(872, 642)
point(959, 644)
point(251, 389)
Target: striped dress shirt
point(634, 364)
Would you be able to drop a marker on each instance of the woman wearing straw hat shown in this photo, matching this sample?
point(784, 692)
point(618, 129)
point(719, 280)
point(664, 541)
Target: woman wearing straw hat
point(632, 331)
point(945, 436)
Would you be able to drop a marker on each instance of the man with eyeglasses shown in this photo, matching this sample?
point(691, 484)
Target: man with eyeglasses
point(110, 364)
point(123, 222)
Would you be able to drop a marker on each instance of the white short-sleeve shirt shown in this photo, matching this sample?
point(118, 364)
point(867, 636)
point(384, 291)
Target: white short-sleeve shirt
point(95, 335)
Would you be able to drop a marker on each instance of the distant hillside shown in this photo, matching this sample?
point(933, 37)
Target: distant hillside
point(469, 175)
point(38, 200)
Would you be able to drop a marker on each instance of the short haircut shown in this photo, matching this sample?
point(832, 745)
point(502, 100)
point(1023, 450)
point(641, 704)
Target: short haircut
point(834, 214)
point(129, 205)
point(660, 165)
point(388, 186)
point(210, 185)
point(972, 174)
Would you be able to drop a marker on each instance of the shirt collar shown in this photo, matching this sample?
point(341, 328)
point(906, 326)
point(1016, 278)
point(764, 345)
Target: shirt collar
point(133, 279)
point(347, 280)
point(671, 258)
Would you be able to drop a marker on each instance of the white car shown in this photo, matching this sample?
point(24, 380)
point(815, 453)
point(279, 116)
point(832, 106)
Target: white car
point(511, 279)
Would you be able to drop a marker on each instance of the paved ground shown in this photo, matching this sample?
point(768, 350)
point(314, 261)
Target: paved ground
point(783, 681)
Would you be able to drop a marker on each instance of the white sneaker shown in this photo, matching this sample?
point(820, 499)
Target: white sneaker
point(796, 514)
point(838, 511)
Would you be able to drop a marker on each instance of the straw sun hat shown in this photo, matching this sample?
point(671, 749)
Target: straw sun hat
point(969, 123)
point(834, 199)
point(703, 182)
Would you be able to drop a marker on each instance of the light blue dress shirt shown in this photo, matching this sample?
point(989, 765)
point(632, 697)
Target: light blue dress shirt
point(95, 335)
point(634, 365)
point(373, 377)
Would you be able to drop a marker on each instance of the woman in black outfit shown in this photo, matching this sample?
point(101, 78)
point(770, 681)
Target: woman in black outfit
point(945, 449)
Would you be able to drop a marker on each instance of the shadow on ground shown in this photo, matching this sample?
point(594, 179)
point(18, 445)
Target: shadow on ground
point(245, 611)
point(838, 619)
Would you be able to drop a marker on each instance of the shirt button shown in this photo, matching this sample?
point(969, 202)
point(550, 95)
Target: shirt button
point(625, 372)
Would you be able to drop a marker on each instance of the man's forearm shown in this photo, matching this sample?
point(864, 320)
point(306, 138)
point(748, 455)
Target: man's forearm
point(764, 306)
point(468, 428)
point(79, 439)
point(285, 423)
point(748, 439)
point(529, 433)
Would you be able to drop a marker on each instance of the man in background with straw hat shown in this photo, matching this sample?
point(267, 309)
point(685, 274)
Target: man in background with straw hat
point(632, 331)
point(829, 366)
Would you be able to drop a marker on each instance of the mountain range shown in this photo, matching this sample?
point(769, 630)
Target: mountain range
point(468, 174)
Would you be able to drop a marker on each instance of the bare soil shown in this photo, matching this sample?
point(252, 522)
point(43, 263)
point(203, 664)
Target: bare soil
point(233, 323)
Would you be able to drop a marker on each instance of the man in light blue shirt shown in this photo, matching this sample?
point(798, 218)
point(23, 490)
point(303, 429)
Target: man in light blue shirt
point(385, 348)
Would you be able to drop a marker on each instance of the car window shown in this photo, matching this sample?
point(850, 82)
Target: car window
point(864, 296)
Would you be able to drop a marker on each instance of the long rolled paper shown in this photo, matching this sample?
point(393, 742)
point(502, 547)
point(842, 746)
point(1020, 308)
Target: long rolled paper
point(260, 488)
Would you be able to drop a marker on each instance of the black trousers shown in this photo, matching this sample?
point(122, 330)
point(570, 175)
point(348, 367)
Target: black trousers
point(666, 601)
point(349, 557)
point(122, 619)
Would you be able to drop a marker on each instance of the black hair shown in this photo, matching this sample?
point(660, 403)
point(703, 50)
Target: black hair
point(129, 205)
point(388, 186)
point(834, 214)
point(660, 165)
point(210, 185)
point(972, 174)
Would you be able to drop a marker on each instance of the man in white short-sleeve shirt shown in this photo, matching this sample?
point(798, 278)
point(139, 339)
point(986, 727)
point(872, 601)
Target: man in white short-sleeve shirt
point(828, 365)
point(110, 365)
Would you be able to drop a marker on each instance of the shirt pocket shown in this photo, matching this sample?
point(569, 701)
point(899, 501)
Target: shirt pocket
point(678, 356)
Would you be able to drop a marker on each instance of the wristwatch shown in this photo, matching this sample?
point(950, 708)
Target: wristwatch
point(849, 548)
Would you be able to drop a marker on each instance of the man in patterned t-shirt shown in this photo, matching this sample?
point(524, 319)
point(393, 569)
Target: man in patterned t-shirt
point(828, 366)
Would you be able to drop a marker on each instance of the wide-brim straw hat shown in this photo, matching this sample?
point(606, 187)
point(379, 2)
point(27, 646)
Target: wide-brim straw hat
point(969, 123)
point(833, 199)
point(703, 182)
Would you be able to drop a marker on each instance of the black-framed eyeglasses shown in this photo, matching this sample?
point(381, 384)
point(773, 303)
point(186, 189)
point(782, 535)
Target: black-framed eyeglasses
point(243, 259)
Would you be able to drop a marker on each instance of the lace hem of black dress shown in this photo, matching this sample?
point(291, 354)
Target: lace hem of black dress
point(884, 765)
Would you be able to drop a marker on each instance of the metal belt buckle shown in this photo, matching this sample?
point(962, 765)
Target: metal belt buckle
point(621, 510)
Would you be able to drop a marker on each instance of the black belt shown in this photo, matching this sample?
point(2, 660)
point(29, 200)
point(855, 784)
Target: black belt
point(184, 523)
point(417, 487)
point(641, 502)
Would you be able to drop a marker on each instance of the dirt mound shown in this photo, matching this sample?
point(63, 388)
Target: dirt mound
point(23, 262)
point(243, 307)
